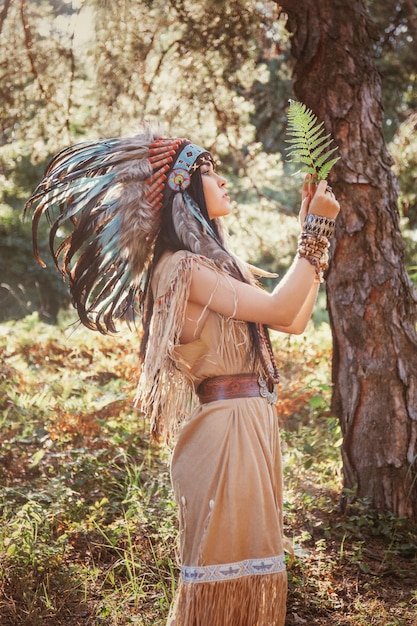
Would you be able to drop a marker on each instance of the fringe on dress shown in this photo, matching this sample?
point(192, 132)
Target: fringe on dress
point(247, 601)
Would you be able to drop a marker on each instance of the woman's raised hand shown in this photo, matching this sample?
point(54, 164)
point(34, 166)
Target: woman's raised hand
point(320, 199)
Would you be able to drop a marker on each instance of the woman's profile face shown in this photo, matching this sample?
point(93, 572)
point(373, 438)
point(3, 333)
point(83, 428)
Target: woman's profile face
point(215, 192)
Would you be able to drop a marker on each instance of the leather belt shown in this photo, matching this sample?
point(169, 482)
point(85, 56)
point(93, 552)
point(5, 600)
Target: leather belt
point(228, 387)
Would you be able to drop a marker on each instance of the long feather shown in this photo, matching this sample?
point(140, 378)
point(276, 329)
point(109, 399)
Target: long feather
point(101, 225)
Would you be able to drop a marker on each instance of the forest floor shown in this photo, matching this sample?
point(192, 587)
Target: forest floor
point(87, 523)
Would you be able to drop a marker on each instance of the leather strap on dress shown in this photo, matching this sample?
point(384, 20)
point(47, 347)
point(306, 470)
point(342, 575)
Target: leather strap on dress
point(228, 387)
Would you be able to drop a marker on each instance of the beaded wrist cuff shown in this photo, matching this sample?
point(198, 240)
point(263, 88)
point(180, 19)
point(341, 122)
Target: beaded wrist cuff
point(319, 225)
point(314, 248)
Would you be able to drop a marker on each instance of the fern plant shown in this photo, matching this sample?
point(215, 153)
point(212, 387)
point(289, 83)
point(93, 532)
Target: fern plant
point(309, 143)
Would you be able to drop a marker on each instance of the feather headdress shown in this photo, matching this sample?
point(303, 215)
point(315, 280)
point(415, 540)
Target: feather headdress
point(110, 193)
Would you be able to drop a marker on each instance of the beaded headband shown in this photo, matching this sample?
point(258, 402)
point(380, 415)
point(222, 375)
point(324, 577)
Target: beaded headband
point(162, 153)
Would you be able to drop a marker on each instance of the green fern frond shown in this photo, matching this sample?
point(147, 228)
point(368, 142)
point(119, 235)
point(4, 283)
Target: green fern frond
point(308, 142)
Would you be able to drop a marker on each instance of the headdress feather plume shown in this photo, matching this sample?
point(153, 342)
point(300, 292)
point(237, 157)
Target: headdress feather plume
point(103, 200)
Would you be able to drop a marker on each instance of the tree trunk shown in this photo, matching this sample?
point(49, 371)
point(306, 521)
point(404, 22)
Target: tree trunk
point(371, 301)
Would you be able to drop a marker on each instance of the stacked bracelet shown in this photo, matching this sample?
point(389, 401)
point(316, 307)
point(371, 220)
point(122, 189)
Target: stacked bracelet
point(314, 248)
point(313, 243)
point(319, 225)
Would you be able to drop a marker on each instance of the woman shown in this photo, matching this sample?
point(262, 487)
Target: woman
point(146, 229)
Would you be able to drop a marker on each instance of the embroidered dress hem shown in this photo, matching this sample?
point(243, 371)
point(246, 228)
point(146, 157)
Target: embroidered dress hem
point(229, 571)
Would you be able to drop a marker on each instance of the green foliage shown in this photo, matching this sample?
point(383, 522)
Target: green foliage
point(25, 286)
point(86, 515)
point(309, 144)
point(403, 148)
point(396, 53)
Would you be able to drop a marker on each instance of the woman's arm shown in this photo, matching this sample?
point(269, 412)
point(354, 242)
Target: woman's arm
point(289, 306)
point(300, 323)
point(232, 298)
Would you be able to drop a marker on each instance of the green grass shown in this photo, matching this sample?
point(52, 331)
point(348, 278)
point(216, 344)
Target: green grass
point(88, 527)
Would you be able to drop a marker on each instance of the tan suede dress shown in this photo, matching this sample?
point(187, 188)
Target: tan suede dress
point(226, 473)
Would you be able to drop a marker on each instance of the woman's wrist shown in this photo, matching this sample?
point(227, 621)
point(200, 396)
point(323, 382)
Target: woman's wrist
point(319, 225)
point(314, 248)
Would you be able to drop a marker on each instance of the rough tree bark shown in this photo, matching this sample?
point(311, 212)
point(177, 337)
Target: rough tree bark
point(371, 301)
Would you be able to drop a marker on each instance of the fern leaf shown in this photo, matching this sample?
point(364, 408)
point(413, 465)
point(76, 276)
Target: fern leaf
point(321, 160)
point(318, 136)
point(324, 171)
point(312, 130)
point(308, 142)
point(296, 152)
point(318, 152)
point(307, 169)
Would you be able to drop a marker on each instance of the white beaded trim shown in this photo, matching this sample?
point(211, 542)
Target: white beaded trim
point(230, 571)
